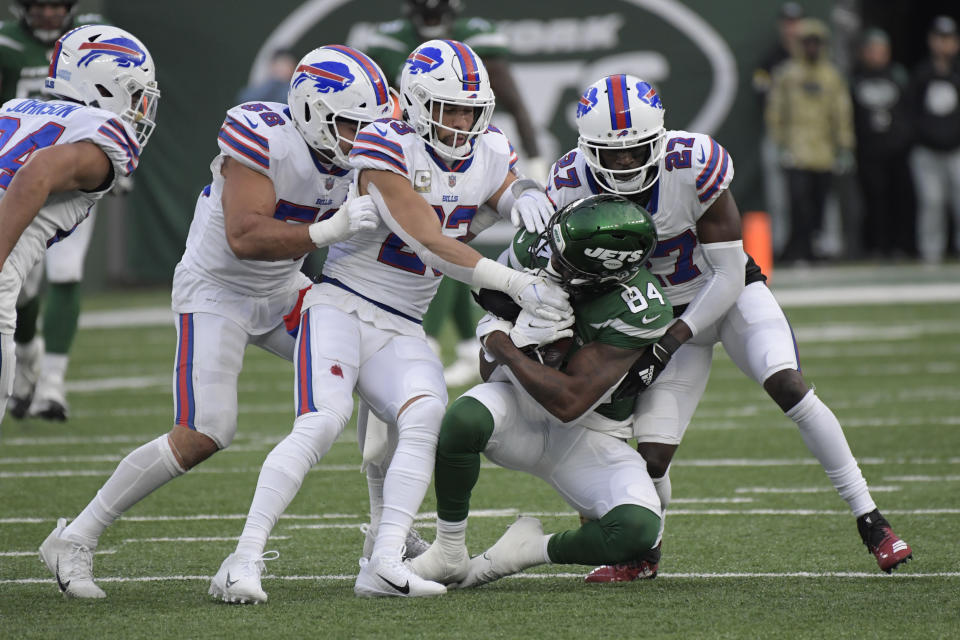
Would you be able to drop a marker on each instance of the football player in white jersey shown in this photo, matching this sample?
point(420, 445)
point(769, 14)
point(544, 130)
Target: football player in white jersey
point(60, 156)
point(718, 294)
point(361, 326)
point(279, 190)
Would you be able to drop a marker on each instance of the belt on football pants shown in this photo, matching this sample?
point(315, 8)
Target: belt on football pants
point(380, 305)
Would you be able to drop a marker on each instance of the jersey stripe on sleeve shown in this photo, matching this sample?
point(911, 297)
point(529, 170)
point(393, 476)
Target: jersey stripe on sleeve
point(239, 138)
point(115, 131)
point(376, 147)
point(712, 186)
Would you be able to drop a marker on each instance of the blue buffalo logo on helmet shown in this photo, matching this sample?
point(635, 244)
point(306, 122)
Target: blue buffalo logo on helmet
point(648, 95)
point(328, 76)
point(124, 51)
point(587, 101)
point(424, 60)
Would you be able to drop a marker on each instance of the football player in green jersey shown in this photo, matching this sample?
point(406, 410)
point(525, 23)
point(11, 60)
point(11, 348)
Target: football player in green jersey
point(26, 45)
point(389, 45)
point(559, 424)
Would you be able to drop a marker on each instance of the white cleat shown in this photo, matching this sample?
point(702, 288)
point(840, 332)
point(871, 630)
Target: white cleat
point(71, 563)
point(238, 579)
point(50, 400)
point(440, 566)
point(25, 378)
point(389, 576)
point(521, 547)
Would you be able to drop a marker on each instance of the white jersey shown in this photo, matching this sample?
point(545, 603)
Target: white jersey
point(376, 264)
point(262, 137)
point(694, 171)
point(27, 125)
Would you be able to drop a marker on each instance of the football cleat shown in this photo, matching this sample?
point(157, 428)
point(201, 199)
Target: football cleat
point(440, 566)
point(643, 569)
point(238, 579)
point(26, 376)
point(388, 575)
point(415, 544)
point(519, 548)
point(71, 563)
point(880, 540)
point(50, 400)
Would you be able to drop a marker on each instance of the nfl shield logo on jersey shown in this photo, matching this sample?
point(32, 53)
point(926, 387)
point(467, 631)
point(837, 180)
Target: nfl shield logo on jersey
point(328, 184)
point(452, 180)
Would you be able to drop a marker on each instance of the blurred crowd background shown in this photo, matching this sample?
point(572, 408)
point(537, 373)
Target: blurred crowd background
point(843, 117)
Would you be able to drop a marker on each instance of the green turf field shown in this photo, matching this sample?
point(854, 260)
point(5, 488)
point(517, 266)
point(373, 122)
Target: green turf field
point(758, 545)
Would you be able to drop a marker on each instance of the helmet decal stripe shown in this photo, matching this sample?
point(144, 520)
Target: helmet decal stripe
point(54, 58)
point(617, 100)
point(106, 46)
point(468, 63)
point(369, 67)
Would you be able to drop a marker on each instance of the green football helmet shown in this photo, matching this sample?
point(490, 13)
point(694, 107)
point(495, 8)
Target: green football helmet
point(598, 242)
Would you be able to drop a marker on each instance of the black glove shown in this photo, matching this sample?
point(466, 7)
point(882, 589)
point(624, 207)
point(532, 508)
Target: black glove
point(647, 367)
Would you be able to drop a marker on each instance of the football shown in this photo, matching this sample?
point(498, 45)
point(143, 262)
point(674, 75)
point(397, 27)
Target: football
point(553, 354)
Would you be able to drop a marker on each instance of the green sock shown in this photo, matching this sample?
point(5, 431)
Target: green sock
point(440, 308)
point(60, 316)
point(27, 315)
point(464, 432)
point(623, 534)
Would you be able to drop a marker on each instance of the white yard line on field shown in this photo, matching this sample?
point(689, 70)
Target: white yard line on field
point(900, 575)
point(788, 490)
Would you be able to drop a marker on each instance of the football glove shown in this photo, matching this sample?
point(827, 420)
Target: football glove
point(490, 323)
point(647, 367)
point(533, 210)
point(533, 331)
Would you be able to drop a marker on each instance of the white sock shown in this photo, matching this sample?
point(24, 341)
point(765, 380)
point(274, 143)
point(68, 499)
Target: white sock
point(451, 536)
point(409, 473)
point(55, 366)
point(144, 469)
point(823, 435)
point(375, 492)
point(664, 491)
point(282, 474)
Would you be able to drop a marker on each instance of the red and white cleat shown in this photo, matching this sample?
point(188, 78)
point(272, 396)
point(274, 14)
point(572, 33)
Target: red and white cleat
point(643, 569)
point(880, 540)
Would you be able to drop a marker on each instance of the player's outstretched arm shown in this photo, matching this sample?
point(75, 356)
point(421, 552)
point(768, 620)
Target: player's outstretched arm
point(68, 167)
point(408, 215)
point(567, 394)
point(249, 202)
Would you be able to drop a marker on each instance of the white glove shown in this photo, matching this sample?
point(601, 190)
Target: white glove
point(357, 214)
point(534, 209)
point(490, 323)
point(531, 291)
point(543, 298)
point(532, 330)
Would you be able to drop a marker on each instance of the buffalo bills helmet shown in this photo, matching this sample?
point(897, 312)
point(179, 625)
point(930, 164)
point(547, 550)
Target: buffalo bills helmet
point(617, 115)
point(108, 68)
point(334, 82)
point(440, 73)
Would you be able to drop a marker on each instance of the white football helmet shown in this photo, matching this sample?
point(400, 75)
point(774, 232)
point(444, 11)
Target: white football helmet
point(106, 67)
point(622, 112)
point(333, 82)
point(439, 73)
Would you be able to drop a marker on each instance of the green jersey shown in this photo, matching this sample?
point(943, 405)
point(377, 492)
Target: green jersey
point(630, 315)
point(393, 41)
point(25, 61)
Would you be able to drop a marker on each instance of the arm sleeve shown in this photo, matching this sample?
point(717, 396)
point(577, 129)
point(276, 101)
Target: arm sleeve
point(728, 262)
